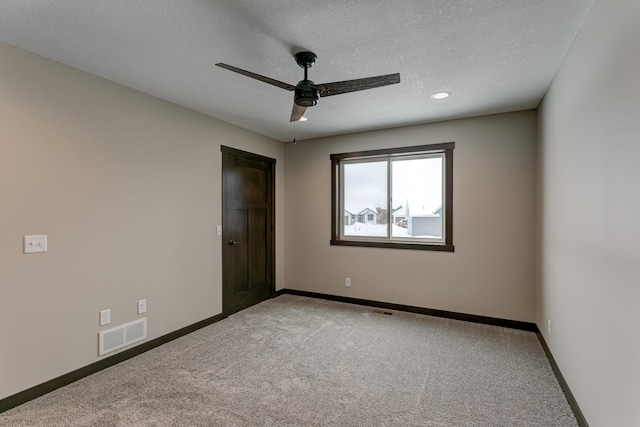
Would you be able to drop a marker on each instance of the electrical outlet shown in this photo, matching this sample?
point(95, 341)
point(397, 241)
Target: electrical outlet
point(105, 317)
point(347, 282)
point(142, 306)
point(218, 230)
point(549, 328)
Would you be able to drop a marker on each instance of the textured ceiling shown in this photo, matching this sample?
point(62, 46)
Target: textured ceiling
point(493, 55)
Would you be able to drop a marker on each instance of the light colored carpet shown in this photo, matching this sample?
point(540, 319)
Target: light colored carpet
point(296, 361)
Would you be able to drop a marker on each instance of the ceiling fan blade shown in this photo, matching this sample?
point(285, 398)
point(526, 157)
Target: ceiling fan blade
point(336, 88)
point(297, 113)
point(271, 81)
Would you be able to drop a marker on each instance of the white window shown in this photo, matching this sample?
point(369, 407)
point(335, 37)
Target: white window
point(403, 196)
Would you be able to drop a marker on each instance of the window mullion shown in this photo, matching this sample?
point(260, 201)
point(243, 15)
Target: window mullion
point(342, 204)
point(389, 199)
point(443, 220)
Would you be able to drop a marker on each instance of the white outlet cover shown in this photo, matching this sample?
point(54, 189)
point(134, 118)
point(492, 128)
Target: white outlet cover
point(105, 317)
point(218, 230)
point(142, 306)
point(35, 244)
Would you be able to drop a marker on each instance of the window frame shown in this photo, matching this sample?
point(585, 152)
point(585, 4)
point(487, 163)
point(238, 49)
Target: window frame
point(336, 198)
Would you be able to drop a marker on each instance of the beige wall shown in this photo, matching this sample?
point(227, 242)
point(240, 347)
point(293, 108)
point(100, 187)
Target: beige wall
point(589, 285)
point(492, 270)
point(128, 189)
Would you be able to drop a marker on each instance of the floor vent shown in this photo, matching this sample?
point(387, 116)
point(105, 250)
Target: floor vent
point(377, 311)
point(123, 335)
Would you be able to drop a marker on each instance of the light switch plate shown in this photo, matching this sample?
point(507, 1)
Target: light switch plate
point(34, 244)
point(218, 230)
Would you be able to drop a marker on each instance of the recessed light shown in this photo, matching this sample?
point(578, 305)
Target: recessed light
point(440, 95)
point(303, 119)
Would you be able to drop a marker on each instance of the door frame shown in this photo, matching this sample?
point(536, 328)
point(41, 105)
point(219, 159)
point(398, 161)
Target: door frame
point(227, 296)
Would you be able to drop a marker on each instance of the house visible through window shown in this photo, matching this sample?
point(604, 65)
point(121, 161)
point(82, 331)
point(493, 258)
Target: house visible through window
point(400, 198)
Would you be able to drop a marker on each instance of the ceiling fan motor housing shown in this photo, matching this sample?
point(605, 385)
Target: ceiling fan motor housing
point(306, 94)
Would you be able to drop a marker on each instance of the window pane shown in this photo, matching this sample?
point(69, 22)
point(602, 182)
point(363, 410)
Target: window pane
point(365, 199)
point(417, 198)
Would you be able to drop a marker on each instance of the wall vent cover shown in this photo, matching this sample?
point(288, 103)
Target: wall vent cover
point(123, 335)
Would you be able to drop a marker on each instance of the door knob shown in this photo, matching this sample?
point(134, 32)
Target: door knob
point(231, 242)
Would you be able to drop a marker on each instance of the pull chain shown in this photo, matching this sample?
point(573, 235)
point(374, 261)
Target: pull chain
point(294, 133)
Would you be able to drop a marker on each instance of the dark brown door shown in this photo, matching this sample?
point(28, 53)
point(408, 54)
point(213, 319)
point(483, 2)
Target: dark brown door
point(248, 254)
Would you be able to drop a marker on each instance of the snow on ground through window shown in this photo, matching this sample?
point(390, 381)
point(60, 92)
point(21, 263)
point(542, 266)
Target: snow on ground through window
point(378, 230)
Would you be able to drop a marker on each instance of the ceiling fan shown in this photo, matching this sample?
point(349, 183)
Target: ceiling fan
point(306, 92)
